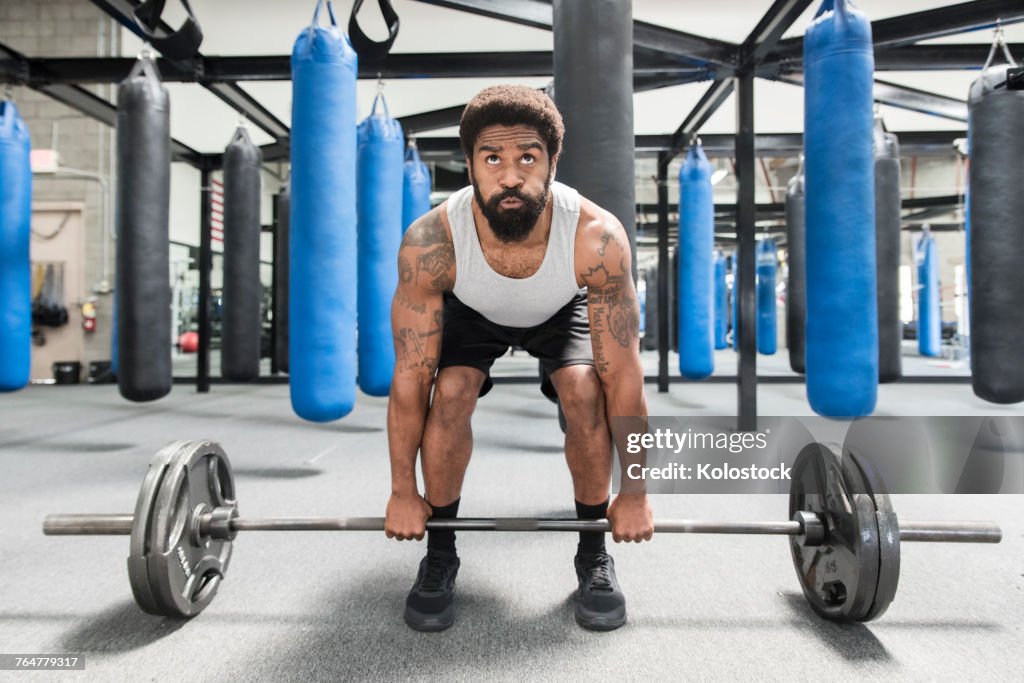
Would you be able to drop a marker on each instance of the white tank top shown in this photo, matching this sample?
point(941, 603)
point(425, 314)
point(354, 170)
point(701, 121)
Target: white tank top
point(516, 302)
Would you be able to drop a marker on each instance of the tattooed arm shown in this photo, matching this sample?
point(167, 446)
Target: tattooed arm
point(426, 269)
point(603, 266)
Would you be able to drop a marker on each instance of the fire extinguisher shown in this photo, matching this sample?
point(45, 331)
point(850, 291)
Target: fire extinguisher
point(89, 316)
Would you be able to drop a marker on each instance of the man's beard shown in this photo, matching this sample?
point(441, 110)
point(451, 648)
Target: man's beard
point(512, 225)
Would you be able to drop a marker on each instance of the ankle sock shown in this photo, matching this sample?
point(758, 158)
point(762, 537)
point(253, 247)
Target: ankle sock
point(591, 541)
point(443, 539)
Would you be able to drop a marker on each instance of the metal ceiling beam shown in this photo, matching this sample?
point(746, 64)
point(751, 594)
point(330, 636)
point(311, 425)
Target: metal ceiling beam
point(921, 101)
point(431, 120)
point(946, 21)
point(213, 70)
point(924, 215)
point(122, 11)
point(718, 145)
point(944, 57)
point(241, 101)
point(93, 106)
point(450, 116)
point(766, 35)
point(760, 42)
point(912, 28)
point(950, 201)
point(720, 54)
point(538, 14)
point(705, 108)
point(903, 97)
point(532, 13)
point(941, 57)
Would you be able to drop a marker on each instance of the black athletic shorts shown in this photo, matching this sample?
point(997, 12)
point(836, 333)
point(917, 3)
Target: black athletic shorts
point(472, 340)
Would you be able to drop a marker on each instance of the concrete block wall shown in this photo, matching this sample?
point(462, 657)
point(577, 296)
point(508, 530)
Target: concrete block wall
point(70, 28)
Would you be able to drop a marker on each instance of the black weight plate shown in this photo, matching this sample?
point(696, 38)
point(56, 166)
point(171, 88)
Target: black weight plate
point(138, 572)
point(839, 577)
point(185, 570)
point(888, 536)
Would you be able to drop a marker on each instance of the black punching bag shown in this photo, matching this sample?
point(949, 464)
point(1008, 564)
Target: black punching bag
point(281, 230)
point(887, 245)
point(141, 220)
point(651, 320)
point(796, 281)
point(593, 64)
point(995, 112)
point(241, 324)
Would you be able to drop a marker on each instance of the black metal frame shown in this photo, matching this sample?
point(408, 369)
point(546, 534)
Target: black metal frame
point(662, 57)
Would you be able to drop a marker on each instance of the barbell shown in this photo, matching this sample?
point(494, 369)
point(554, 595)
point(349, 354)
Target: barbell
point(843, 533)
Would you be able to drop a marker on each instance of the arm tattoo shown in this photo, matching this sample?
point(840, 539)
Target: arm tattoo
point(597, 340)
point(426, 232)
point(615, 310)
point(410, 352)
point(403, 299)
point(608, 236)
point(436, 329)
point(404, 270)
point(437, 264)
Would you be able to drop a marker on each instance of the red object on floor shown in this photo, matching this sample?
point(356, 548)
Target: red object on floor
point(189, 342)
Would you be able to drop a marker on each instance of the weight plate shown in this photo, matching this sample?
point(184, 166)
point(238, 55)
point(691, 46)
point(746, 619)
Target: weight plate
point(888, 536)
point(839, 577)
point(138, 572)
point(185, 568)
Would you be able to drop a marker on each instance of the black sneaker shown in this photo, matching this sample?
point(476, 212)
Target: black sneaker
point(429, 605)
point(600, 604)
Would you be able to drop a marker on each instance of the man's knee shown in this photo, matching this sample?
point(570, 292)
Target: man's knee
point(455, 393)
point(581, 397)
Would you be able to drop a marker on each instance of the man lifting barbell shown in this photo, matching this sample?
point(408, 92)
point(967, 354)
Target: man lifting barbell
point(514, 259)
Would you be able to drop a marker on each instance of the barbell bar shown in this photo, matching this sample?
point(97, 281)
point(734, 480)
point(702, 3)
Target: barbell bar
point(843, 533)
point(121, 525)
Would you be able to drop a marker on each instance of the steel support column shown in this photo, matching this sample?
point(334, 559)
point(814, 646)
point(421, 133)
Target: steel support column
point(746, 175)
point(205, 266)
point(664, 265)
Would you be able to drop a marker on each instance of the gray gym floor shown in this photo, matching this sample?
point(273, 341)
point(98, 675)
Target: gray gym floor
point(319, 606)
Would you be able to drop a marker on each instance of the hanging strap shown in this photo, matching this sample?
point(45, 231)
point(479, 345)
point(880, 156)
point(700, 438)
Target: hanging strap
point(8, 117)
point(380, 98)
point(370, 50)
point(144, 67)
point(826, 6)
point(1015, 74)
point(316, 14)
point(177, 45)
point(999, 41)
point(412, 153)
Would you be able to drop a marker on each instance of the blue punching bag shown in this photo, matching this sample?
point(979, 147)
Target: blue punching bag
point(696, 273)
point(721, 302)
point(15, 227)
point(322, 277)
point(929, 317)
point(380, 233)
point(842, 307)
point(415, 187)
point(767, 265)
